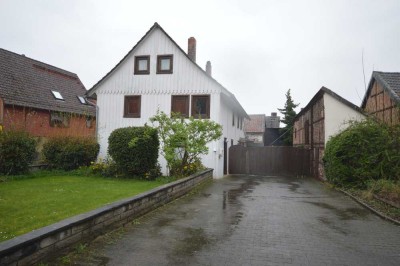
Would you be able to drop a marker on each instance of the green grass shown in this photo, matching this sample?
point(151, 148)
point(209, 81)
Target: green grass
point(33, 201)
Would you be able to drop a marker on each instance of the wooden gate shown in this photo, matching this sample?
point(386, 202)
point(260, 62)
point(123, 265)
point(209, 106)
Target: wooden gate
point(269, 160)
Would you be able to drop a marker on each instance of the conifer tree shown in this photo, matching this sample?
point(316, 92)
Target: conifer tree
point(289, 114)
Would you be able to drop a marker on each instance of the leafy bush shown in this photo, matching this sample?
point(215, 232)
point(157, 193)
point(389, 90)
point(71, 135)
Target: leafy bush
point(184, 141)
point(134, 149)
point(364, 151)
point(70, 153)
point(17, 151)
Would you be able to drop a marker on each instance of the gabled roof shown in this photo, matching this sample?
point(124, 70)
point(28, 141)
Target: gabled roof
point(320, 93)
point(390, 81)
point(28, 82)
point(228, 95)
point(256, 124)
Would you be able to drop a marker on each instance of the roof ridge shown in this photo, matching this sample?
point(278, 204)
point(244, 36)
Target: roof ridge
point(37, 61)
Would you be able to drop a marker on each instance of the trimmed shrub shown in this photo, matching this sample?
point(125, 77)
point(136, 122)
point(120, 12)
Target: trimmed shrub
point(364, 151)
point(70, 153)
point(134, 149)
point(17, 151)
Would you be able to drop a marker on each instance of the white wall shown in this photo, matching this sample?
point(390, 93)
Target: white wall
point(337, 116)
point(156, 90)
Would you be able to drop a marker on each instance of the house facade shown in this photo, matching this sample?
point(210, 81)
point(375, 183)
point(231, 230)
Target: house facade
point(157, 74)
point(324, 116)
point(254, 129)
point(42, 100)
point(382, 99)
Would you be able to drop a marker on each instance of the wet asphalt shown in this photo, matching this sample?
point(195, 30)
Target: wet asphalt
point(253, 220)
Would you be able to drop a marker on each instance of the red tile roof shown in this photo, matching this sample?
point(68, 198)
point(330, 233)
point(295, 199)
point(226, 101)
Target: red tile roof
point(256, 124)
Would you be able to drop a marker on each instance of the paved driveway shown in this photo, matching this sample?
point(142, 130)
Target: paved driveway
point(248, 220)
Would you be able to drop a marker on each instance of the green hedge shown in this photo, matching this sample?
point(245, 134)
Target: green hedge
point(134, 150)
point(17, 151)
point(364, 151)
point(70, 153)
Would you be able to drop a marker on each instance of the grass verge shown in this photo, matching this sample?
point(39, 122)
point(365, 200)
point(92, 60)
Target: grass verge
point(33, 201)
point(382, 195)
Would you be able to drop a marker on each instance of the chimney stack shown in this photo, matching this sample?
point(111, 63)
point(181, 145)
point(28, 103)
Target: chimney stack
point(192, 49)
point(208, 68)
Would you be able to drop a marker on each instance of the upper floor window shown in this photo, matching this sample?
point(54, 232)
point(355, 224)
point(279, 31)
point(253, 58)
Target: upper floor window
point(165, 64)
point(81, 99)
point(142, 65)
point(233, 119)
point(201, 106)
point(180, 104)
point(132, 106)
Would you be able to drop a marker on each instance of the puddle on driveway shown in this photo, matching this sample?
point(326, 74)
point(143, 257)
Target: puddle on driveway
point(195, 239)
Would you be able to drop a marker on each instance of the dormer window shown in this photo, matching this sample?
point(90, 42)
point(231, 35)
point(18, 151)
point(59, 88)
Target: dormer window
point(165, 64)
point(57, 95)
point(142, 65)
point(81, 99)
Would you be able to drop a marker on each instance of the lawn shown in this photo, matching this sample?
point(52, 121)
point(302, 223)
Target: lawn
point(34, 201)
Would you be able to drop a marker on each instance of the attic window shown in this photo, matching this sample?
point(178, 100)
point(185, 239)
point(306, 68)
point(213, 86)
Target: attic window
point(81, 99)
point(142, 65)
point(57, 95)
point(164, 64)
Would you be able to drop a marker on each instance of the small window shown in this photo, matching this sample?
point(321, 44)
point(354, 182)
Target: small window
point(89, 120)
point(233, 120)
point(57, 95)
point(142, 65)
point(81, 99)
point(59, 119)
point(164, 64)
point(180, 104)
point(238, 120)
point(132, 106)
point(201, 106)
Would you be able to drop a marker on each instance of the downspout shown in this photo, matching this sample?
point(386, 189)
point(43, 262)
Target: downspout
point(97, 122)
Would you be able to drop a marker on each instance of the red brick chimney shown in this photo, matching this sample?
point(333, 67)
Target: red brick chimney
point(208, 68)
point(192, 48)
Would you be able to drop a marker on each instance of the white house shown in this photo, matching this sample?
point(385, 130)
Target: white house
point(157, 74)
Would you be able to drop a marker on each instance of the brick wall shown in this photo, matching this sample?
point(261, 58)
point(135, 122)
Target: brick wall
point(37, 123)
point(49, 241)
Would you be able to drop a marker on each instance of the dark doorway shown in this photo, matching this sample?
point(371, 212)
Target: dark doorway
point(225, 156)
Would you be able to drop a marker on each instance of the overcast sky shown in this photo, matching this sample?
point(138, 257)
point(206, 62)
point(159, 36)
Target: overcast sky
point(258, 49)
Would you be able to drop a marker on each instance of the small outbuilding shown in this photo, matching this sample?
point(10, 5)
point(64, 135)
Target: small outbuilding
point(324, 116)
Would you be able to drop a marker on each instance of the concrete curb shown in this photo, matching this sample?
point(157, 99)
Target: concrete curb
point(383, 216)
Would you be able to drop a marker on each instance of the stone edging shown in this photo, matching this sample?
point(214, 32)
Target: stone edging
point(45, 242)
point(369, 207)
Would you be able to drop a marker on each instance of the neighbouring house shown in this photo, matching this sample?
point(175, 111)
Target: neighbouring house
point(254, 129)
point(324, 116)
point(382, 98)
point(272, 130)
point(157, 74)
point(42, 100)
